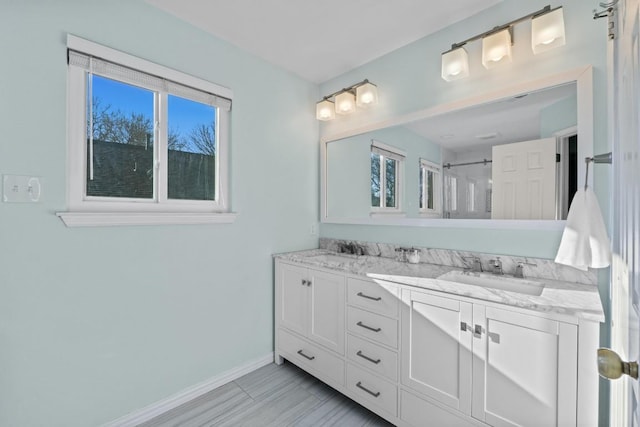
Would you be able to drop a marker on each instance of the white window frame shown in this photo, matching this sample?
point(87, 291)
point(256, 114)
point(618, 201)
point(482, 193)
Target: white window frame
point(436, 169)
point(94, 211)
point(389, 152)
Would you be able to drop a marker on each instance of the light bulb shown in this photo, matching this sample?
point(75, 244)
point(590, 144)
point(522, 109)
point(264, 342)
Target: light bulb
point(547, 31)
point(325, 110)
point(455, 64)
point(496, 48)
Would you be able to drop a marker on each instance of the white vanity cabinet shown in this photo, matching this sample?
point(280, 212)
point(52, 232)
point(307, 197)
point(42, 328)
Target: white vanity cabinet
point(309, 320)
point(424, 357)
point(502, 367)
point(311, 303)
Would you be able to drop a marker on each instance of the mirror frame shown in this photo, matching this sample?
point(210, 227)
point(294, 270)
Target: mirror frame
point(583, 77)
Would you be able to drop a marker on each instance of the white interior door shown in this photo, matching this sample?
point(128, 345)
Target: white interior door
point(524, 180)
point(625, 288)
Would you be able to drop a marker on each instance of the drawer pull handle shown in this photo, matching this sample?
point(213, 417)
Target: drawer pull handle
point(463, 326)
point(478, 330)
point(305, 356)
point(362, 325)
point(360, 386)
point(360, 294)
point(376, 361)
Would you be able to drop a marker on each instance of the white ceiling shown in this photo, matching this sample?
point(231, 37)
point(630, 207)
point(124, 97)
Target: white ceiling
point(319, 40)
point(510, 120)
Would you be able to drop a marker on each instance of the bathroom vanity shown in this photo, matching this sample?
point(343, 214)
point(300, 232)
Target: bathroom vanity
point(432, 344)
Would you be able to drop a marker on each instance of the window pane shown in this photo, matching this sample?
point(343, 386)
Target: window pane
point(390, 188)
point(430, 190)
point(120, 159)
point(375, 180)
point(193, 145)
point(422, 195)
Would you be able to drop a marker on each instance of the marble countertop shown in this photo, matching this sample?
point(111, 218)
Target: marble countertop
point(573, 299)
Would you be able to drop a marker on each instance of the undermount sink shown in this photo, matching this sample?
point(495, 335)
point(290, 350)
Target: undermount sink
point(332, 259)
point(488, 280)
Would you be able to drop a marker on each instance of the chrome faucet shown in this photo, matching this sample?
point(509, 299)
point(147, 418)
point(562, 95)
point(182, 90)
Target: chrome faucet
point(520, 269)
point(496, 266)
point(476, 264)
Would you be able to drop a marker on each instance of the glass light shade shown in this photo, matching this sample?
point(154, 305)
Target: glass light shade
point(345, 103)
point(455, 64)
point(496, 49)
point(325, 110)
point(366, 95)
point(547, 31)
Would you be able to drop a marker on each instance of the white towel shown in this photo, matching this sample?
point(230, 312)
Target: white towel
point(584, 243)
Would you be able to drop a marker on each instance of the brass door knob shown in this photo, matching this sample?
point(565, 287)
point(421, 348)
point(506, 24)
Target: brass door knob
point(612, 367)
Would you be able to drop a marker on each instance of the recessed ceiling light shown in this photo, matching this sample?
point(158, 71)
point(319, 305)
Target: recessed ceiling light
point(490, 135)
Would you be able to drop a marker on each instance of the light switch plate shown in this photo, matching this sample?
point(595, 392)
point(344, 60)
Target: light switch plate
point(21, 189)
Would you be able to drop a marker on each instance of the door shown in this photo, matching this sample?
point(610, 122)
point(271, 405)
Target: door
point(625, 84)
point(524, 369)
point(436, 348)
point(326, 309)
point(293, 297)
point(524, 180)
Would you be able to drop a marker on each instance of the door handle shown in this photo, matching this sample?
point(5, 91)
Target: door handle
point(612, 367)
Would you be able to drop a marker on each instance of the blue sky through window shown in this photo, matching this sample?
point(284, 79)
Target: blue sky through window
point(184, 115)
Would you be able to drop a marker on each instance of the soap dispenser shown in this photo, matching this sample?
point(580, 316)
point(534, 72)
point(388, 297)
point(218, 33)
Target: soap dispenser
point(413, 256)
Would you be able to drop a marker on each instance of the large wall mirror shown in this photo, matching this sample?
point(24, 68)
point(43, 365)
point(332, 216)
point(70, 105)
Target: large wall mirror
point(512, 157)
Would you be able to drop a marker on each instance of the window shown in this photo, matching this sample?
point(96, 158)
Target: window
point(430, 188)
point(451, 191)
point(471, 196)
point(386, 177)
point(147, 144)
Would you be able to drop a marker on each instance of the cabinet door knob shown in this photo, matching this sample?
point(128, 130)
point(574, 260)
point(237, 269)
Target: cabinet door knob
point(478, 330)
point(304, 282)
point(305, 356)
point(463, 326)
point(361, 387)
point(362, 325)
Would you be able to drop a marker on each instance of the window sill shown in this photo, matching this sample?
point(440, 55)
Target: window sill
point(386, 214)
point(106, 219)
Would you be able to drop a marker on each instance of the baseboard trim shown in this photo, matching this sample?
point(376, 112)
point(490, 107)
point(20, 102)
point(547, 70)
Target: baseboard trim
point(158, 408)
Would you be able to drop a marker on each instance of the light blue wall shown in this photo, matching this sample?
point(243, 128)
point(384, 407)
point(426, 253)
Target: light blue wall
point(98, 322)
point(559, 116)
point(408, 80)
point(349, 170)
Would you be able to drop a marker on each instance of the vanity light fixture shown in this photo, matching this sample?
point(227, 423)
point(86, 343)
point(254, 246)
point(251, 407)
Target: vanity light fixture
point(362, 94)
point(547, 32)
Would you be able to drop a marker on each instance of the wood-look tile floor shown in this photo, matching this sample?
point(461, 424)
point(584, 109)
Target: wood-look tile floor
point(272, 396)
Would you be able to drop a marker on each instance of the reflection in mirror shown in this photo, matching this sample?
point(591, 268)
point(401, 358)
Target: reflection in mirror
point(515, 158)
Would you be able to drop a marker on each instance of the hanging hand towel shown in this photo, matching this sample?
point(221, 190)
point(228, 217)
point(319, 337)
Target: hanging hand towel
point(584, 241)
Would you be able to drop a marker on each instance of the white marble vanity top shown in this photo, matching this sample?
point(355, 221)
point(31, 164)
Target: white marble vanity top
point(573, 299)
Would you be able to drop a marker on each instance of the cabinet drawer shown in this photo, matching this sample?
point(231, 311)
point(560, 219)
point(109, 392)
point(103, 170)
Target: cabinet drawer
point(321, 363)
point(373, 326)
point(372, 356)
point(372, 296)
point(372, 389)
point(421, 412)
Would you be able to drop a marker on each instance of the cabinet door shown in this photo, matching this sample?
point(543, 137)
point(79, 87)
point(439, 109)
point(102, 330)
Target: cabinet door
point(525, 369)
point(436, 348)
point(293, 297)
point(326, 295)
